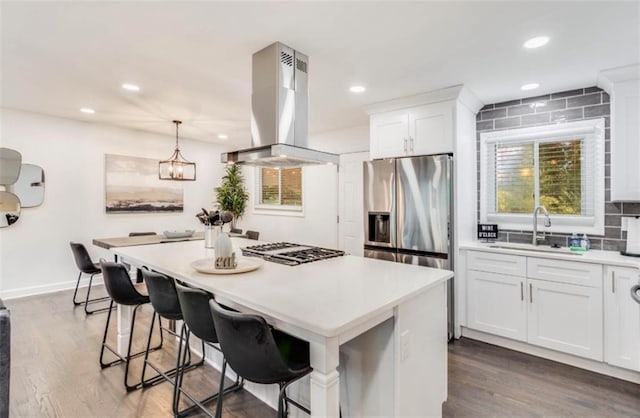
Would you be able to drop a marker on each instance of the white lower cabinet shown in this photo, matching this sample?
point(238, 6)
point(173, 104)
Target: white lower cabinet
point(550, 303)
point(496, 304)
point(565, 317)
point(621, 318)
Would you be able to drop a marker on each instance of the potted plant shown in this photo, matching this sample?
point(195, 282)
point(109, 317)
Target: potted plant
point(232, 195)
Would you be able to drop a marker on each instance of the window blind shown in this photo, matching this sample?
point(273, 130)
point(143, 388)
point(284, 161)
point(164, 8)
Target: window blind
point(280, 186)
point(555, 172)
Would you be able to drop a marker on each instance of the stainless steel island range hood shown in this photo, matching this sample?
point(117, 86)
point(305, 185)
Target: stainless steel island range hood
point(279, 112)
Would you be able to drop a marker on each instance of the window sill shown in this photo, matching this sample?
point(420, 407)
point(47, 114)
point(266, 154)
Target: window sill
point(564, 225)
point(274, 210)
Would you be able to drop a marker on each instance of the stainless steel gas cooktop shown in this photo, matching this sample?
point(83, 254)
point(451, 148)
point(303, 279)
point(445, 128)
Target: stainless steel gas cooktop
point(289, 253)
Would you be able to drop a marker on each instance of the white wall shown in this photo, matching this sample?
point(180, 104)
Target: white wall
point(341, 141)
point(34, 253)
point(317, 225)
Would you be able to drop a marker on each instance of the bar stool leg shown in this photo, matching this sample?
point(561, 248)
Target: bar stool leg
point(221, 390)
point(88, 301)
point(75, 292)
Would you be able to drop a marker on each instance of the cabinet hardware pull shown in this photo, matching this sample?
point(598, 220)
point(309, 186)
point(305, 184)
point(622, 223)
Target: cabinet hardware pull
point(613, 282)
point(405, 145)
point(530, 293)
point(412, 142)
point(521, 291)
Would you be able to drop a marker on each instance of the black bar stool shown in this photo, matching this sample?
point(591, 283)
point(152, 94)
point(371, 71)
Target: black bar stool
point(123, 292)
point(260, 354)
point(164, 299)
point(197, 318)
point(86, 266)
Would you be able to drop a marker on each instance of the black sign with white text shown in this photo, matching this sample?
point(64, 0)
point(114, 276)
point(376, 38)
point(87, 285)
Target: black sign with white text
point(488, 231)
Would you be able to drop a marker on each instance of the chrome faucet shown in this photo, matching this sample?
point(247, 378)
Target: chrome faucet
point(547, 223)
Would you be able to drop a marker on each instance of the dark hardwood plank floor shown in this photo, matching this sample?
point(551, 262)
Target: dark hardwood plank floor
point(490, 381)
point(55, 373)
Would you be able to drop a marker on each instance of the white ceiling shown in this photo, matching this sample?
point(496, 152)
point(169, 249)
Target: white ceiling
point(193, 59)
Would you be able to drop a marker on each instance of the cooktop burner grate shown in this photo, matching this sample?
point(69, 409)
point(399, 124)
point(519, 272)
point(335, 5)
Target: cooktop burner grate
point(289, 253)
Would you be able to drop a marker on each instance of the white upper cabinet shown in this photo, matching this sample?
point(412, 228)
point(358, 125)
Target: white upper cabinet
point(389, 134)
point(623, 85)
point(423, 124)
point(421, 130)
point(622, 318)
point(431, 129)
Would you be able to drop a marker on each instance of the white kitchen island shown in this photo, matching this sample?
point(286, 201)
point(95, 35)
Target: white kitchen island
point(385, 322)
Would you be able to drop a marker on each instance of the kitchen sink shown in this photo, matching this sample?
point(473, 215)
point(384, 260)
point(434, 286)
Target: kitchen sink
point(538, 248)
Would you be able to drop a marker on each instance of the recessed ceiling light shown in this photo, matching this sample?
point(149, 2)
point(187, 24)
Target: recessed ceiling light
point(357, 89)
point(530, 86)
point(87, 110)
point(536, 42)
point(223, 136)
point(130, 87)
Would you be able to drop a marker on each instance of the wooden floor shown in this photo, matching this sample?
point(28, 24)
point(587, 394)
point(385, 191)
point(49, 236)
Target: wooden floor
point(55, 373)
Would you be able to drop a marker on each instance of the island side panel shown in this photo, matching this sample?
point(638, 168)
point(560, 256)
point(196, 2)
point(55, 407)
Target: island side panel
point(420, 340)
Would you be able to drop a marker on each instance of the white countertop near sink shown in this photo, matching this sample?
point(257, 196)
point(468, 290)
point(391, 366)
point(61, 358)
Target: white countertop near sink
point(591, 256)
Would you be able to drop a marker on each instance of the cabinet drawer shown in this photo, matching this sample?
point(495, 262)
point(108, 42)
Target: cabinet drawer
point(513, 265)
point(570, 272)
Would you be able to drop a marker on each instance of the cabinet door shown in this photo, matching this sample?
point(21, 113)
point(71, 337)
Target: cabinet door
point(389, 134)
point(431, 129)
point(496, 304)
point(621, 319)
point(625, 146)
point(565, 317)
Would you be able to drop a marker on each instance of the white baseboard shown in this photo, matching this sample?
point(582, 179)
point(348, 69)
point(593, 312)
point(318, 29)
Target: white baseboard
point(46, 288)
point(583, 363)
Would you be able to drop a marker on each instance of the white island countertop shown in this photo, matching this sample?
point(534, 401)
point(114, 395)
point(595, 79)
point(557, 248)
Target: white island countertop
point(326, 297)
point(377, 312)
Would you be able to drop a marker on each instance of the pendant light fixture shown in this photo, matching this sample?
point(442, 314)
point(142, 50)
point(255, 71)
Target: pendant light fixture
point(177, 167)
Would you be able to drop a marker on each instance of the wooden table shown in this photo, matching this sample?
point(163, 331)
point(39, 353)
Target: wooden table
point(109, 243)
point(388, 318)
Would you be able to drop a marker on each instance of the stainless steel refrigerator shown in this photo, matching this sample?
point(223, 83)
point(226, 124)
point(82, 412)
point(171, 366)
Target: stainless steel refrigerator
point(408, 212)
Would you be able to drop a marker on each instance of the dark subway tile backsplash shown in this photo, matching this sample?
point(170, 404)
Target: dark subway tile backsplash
point(520, 110)
point(591, 90)
point(566, 115)
point(484, 125)
point(570, 105)
point(535, 119)
point(507, 123)
point(493, 114)
point(553, 105)
point(507, 104)
point(567, 93)
point(534, 99)
point(587, 99)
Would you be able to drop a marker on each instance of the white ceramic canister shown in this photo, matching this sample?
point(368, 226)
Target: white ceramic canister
point(211, 233)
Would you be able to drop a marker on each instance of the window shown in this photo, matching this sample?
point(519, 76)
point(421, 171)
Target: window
point(558, 166)
point(279, 188)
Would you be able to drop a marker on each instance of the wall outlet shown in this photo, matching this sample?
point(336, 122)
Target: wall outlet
point(405, 343)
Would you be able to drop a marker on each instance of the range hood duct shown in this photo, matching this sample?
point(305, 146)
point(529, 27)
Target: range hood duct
point(279, 112)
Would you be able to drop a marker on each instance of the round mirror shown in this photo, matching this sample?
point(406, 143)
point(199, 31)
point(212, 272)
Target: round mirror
point(30, 186)
point(9, 209)
point(10, 163)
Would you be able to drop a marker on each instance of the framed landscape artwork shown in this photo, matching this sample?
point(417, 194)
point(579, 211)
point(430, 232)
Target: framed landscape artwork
point(132, 185)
